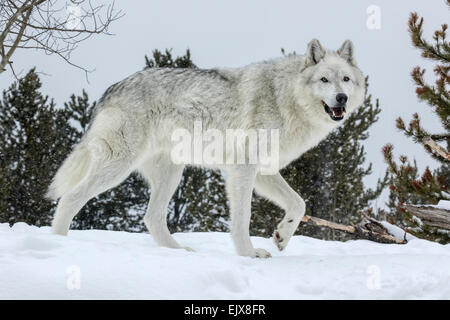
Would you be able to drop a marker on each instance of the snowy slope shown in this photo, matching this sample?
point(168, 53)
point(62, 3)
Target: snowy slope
point(35, 264)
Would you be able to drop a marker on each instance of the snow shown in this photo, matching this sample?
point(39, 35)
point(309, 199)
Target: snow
point(397, 232)
point(443, 204)
point(93, 264)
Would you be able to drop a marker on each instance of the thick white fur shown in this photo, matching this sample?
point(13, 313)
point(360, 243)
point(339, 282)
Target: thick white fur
point(136, 117)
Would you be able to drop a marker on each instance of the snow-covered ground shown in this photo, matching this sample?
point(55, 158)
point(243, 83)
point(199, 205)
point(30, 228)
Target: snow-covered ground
point(35, 264)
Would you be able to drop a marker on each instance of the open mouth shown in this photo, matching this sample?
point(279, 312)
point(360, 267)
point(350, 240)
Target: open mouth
point(335, 113)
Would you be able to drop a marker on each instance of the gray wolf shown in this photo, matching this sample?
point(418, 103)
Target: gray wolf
point(303, 96)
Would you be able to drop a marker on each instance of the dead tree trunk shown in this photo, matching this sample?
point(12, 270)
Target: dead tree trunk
point(430, 216)
point(368, 229)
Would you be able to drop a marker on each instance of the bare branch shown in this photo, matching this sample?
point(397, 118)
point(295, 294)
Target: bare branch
point(7, 55)
point(13, 71)
point(51, 26)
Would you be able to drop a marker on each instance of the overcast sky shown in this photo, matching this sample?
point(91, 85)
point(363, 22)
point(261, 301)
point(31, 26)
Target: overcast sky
point(232, 33)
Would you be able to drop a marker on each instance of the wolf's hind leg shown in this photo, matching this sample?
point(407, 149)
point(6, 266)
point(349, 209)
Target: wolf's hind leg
point(101, 176)
point(277, 190)
point(164, 177)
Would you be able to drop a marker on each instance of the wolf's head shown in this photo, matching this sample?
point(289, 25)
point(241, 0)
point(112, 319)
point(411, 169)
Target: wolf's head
point(334, 84)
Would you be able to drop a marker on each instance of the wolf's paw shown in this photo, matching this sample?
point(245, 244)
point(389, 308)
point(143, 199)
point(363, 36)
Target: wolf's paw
point(280, 240)
point(188, 249)
point(261, 253)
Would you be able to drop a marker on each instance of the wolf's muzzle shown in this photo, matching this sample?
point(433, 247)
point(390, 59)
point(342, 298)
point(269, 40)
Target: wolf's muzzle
point(336, 113)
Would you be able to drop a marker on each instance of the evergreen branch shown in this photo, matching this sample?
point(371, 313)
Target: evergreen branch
point(418, 134)
point(440, 51)
point(44, 25)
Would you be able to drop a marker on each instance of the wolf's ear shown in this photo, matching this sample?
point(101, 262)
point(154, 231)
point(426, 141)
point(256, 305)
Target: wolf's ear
point(346, 52)
point(314, 52)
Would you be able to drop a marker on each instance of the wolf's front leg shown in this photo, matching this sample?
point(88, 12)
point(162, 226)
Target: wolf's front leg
point(240, 181)
point(277, 190)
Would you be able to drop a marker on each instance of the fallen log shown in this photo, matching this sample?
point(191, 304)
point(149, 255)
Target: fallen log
point(368, 229)
point(430, 216)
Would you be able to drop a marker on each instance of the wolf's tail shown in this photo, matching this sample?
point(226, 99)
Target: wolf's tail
point(72, 171)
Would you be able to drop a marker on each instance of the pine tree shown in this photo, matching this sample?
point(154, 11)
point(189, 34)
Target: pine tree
point(206, 208)
point(405, 184)
point(165, 60)
point(33, 141)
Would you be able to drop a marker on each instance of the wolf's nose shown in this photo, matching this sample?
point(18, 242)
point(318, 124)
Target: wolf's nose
point(341, 98)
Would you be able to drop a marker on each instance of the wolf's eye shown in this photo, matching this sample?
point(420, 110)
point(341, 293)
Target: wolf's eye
point(346, 79)
point(323, 79)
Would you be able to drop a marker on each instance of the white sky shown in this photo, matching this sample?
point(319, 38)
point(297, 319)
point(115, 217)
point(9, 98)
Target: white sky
point(234, 33)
